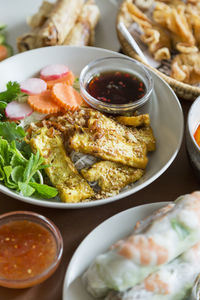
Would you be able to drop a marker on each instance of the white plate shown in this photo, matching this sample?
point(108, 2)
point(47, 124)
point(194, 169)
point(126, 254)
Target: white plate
point(97, 242)
point(14, 14)
point(165, 112)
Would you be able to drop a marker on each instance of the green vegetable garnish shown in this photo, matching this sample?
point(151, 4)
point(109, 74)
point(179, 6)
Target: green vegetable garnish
point(44, 190)
point(2, 38)
point(3, 41)
point(2, 26)
point(21, 170)
point(76, 84)
point(181, 231)
point(10, 131)
point(12, 92)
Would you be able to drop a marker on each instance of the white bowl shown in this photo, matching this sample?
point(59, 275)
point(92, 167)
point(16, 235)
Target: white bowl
point(193, 149)
point(164, 109)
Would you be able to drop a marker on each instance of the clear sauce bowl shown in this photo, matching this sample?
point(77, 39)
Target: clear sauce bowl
point(115, 64)
point(31, 249)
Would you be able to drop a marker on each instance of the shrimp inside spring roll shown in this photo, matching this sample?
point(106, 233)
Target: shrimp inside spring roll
point(132, 259)
point(172, 281)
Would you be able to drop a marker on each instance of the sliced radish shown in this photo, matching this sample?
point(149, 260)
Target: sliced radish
point(52, 72)
point(33, 86)
point(18, 111)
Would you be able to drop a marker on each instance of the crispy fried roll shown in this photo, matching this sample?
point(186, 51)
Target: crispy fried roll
point(82, 34)
point(59, 23)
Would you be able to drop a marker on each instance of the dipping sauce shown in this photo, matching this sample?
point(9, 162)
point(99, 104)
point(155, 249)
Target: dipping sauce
point(26, 249)
point(116, 87)
point(197, 135)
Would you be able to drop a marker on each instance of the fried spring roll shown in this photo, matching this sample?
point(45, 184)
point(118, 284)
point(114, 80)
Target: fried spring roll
point(41, 16)
point(82, 33)
point(28, 40)
point(131, 260)
point(59, 23)
point(172, 281)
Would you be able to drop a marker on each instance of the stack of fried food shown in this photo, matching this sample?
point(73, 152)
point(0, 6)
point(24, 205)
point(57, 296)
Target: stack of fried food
point(65, 22)
point(120, 145)
point(171, 29)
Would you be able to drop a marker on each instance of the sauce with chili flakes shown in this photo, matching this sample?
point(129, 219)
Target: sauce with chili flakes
point(116, 87)
point(26, 250)
point(197, 135)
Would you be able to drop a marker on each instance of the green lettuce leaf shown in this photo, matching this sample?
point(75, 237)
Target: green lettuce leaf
point(181, 231)
point(44, 190)
point(26, 189)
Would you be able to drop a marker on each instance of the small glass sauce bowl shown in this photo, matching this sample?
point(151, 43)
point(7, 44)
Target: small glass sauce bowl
point(115, 64)
point(31, 249)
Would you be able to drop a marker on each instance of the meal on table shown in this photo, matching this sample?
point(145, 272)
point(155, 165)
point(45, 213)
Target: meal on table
point(5, 49)
point(170, 29)
point(160, 259)
point(57, 144)
point(65, 22)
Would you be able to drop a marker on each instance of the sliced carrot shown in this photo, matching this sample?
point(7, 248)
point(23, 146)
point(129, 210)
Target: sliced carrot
point(3, 52)
point(79, 99)
point(68, 79)
point(66, 96)
point(44, 103)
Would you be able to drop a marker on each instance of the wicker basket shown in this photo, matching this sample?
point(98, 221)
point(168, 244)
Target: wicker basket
point(183, 90)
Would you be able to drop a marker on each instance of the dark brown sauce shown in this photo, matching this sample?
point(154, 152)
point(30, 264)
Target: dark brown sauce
point(116, 87)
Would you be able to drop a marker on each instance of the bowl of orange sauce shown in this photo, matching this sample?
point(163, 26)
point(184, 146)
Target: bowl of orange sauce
point(193, 136)
point(31, 248)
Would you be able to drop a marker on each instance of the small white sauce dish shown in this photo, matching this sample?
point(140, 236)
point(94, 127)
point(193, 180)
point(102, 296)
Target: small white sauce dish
point(193, 120)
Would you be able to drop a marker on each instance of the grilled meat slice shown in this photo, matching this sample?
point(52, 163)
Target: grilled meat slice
point(109, 145)
point(111, 176)
point(61, 172)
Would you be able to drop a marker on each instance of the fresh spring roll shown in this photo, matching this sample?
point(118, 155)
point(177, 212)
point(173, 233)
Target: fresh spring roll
point(172, 281)
point(131, 260)
point(82, 34)
point(59, 23)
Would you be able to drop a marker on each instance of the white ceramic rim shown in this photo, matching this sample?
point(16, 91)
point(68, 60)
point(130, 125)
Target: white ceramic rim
point(192, 108)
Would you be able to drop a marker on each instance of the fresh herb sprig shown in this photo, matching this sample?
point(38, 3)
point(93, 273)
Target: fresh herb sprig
point(12, 92)
point(18, 170)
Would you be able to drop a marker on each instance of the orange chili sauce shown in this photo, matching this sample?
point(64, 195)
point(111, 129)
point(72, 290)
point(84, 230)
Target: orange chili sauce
point(26, 250)
point(197, 135)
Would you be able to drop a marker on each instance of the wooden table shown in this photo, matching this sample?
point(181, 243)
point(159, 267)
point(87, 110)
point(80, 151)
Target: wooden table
point(76, 224)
